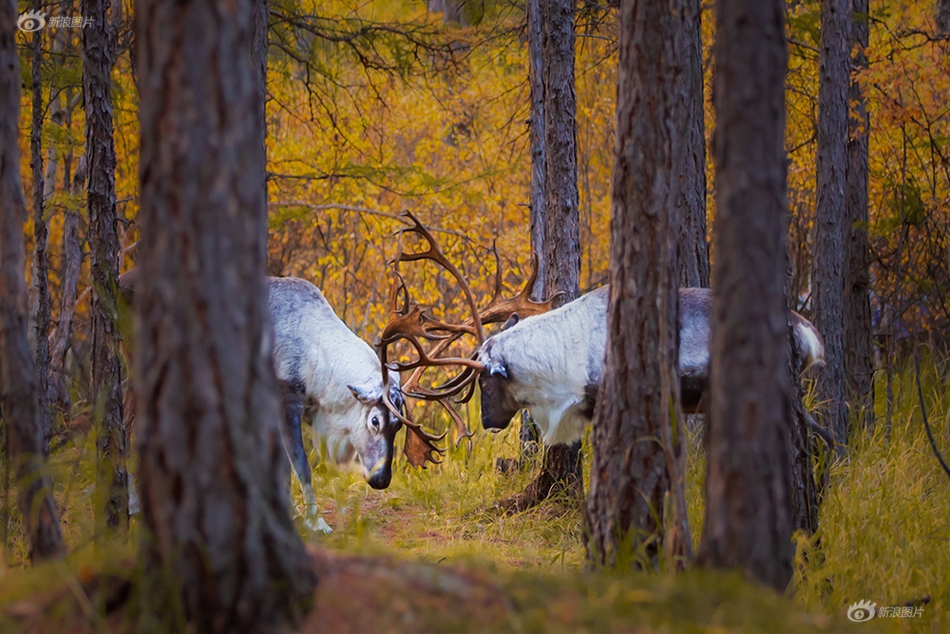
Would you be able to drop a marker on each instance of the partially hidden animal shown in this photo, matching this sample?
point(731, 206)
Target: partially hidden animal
point(328, 378)
point(331, 379)
point(553, 364)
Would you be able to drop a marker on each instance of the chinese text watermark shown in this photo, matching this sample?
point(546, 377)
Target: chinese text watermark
point(865, 611)
point(31, 21)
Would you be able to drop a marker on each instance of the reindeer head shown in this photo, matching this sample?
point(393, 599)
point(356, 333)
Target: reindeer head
point(373, 439)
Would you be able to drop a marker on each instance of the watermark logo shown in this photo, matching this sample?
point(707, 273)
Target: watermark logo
point(30, 21)
point(861, 611)
point(865, 611)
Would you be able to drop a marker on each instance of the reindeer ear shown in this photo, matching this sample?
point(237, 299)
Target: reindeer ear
point(366, 394)
point(514, 319)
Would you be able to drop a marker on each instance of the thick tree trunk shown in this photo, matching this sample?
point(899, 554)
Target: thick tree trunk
point(690, 161)
point(831, 214)
point(213, 468)
point(112, 484)
point(639, 400)
point(748, 522)
point(18, 386)
point(859, 354)
point(40, 310)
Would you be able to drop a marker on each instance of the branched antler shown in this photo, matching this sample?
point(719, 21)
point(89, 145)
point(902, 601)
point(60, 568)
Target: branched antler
point(411, 323)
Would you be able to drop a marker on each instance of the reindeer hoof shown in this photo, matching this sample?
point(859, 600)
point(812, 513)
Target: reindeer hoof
point(317, 525)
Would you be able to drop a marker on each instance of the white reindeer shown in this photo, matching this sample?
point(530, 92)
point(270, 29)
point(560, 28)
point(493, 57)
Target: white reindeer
point(553, 364)
point(333, 379)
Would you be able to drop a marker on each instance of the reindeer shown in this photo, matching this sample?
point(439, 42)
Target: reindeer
point(333, 380)
point(551, 362)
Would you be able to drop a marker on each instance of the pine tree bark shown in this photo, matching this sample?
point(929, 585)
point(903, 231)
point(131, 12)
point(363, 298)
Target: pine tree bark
point(831, 214)
point(561, 247)
point(555, 218)
point(690, 161)
point(748, 522)
point(639, 400)
point(859, 354)
point(40, 310)
point(19, 404)
point(213, 468)
point(112, 484)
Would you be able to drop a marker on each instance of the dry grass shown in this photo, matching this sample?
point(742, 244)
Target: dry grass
point(884, 537)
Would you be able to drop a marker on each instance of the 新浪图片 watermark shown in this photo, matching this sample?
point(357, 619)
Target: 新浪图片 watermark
point(865, 611)
point(30, 21)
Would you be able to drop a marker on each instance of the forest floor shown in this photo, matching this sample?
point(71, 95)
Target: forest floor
point(430, 554)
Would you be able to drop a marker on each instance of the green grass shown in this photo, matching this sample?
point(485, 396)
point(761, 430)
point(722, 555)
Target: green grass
point(884, 536)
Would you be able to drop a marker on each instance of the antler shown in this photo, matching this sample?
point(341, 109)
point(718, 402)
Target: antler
point(412, 324)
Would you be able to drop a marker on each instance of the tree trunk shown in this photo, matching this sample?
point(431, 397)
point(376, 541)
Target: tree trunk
point(943, 18)
point(71, 265)
point(748, 523)
point(19, 403)
point(631, 476)
point(112, 484)
point(690, 161)
point(859, 355)
point(555, 219)
point(831, 214)
point(213, 468)
point(40, 310)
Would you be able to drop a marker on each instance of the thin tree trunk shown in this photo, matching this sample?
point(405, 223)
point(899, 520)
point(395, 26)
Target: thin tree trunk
point(18, 386)
point(831, 214)
point(943, 18)
point(640, 400)
point(40, 311)
point(529, 433)
point(859, 354)
point(690, 161)
point(71, 266)
point(112, 483)
point(748, 522)
point(561, 244)
point(213, 468)
point(555, 218)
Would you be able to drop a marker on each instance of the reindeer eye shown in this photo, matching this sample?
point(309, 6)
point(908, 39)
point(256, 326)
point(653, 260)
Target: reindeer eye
point(375, 423)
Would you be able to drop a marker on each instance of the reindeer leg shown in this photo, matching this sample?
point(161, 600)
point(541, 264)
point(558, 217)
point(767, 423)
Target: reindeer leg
point(293, 396)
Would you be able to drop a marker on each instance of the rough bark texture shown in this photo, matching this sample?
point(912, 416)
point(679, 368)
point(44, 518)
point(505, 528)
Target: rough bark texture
point(562, 252)
point(748, 522)
point(690, 160)
point(555, 218)
point(40, 310)
point(18, 389)
point(112, 484)
point(529, 432)
point(859, 355)
point(213, 468)
point(561, 247)
point(536, 139)
point(831, 214)
point(630, 475)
